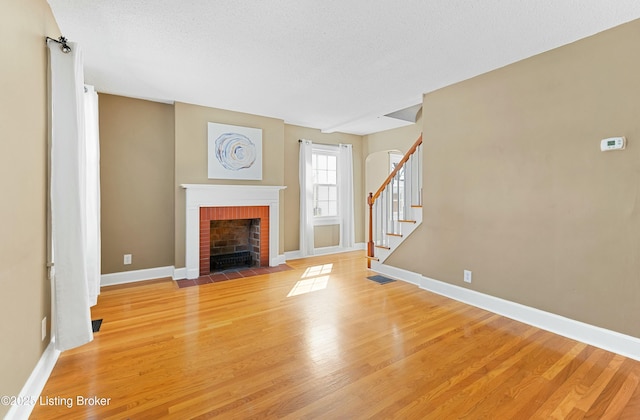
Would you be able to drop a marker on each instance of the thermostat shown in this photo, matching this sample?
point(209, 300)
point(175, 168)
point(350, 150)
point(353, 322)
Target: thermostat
point(612, 143)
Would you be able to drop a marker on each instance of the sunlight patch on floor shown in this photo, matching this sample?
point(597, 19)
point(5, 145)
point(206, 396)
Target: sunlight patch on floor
point(317, 270)
point(309, 285)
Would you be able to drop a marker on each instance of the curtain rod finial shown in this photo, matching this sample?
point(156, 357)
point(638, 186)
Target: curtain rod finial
point(62, 41)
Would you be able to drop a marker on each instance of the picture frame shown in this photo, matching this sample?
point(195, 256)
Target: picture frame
point(234, 152)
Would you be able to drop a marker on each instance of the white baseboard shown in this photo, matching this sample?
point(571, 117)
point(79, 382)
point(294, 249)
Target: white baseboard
point(292, 255)
point(609, 340)
point(136, 275)
point(295, 255)
point(398, 273)
point(180, 273)
point(281, 259)
point(35, 384)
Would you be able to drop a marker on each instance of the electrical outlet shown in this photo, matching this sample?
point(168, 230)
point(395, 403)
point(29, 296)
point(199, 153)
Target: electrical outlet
point(43, 328)
point(127, 258)
point(467, 276)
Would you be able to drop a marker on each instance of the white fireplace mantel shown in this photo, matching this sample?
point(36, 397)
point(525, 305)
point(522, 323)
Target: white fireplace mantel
point(208, 195)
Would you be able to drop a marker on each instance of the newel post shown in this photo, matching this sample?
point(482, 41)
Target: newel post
point(370, 246)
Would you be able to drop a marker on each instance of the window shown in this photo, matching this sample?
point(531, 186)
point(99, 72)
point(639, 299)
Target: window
point(326, 192)
point(394, 160)
point(325, 186)
point(397, 187)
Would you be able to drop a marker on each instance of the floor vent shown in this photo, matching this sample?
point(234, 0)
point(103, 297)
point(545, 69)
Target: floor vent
point(96, 324)
point(381, 279)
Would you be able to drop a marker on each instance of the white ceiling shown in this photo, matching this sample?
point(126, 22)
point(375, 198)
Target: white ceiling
point(335, 65)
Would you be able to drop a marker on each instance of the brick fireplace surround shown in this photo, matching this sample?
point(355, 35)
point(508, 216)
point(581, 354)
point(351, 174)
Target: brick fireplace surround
point(207, 214)
point(209, 199)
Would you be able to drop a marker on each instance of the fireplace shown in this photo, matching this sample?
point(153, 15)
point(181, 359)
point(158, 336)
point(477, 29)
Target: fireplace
point(221, 229)
point(205, 202)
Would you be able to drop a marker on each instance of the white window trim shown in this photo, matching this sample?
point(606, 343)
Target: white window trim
point(326, 220)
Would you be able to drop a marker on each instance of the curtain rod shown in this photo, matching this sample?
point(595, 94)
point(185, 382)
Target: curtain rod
point(321, 144)
point(62, 41)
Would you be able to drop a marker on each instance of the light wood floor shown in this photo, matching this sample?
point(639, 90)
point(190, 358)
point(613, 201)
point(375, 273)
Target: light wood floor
point(350, 349)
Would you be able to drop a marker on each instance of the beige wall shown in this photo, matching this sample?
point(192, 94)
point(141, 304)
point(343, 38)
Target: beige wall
point(191, 158)
point(293, 133)
point(326, 236)
point(135, 145)
point(137, 159)
point(377, 169)
point(24, 288)
point(377, 146)
point(401, 138)
point(517, 190)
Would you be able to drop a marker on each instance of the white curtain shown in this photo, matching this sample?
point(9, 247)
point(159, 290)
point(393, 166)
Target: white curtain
point(306, 198)
point(69, 208)
point(92, 188)
point(345, 191)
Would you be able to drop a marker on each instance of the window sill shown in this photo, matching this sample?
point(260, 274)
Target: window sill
point(327, 220)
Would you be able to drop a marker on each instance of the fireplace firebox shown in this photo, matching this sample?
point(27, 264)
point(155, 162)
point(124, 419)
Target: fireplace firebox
point(234, 243)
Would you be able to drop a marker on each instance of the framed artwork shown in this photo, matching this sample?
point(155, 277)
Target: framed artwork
point(234, 152)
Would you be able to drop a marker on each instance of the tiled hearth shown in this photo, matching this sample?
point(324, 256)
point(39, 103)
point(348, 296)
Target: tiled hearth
point(232, 275)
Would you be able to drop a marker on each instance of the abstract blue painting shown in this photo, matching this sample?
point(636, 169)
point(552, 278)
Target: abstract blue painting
point(234, 152)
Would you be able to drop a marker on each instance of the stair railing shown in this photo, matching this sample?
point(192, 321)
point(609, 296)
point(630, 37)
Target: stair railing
point(391, 205)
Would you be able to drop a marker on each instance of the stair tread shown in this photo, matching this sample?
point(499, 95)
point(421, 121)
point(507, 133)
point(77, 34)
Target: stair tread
point(395, 234)
point(383, 247)
point(408, 221)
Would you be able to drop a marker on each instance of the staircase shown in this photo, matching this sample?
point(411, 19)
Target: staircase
point(395, 210)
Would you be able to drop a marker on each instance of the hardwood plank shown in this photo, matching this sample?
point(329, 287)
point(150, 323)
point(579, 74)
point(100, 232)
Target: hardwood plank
point(346, 348)
point(621, 398)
